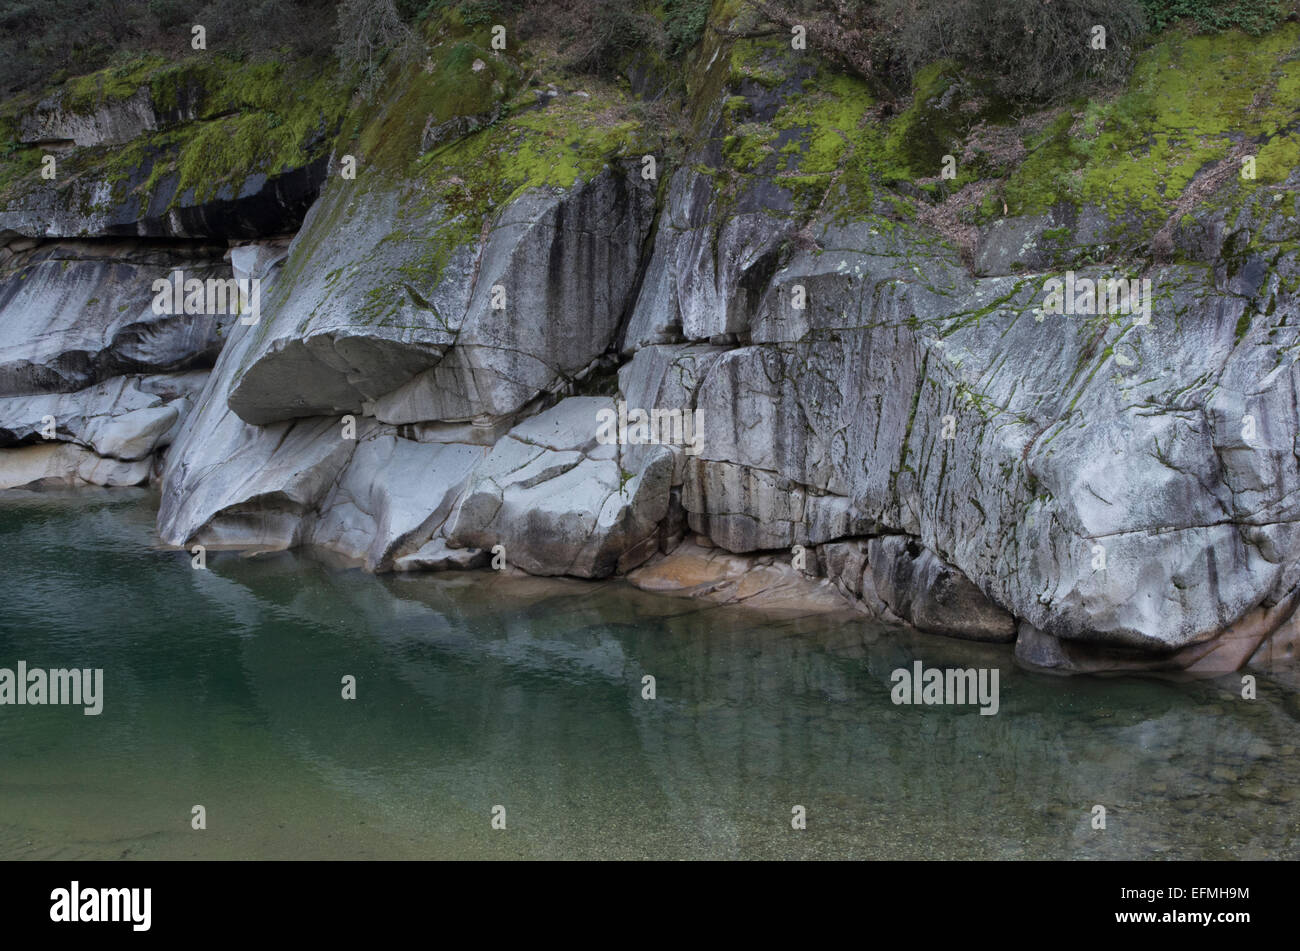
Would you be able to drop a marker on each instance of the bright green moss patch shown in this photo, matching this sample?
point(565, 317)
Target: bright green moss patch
point(1189, 98)
point(204, 85)
point(121, 81)
point(1278, 158)
point(829, 130)
point(469, 81)
point(1046, 177)
point(754, 59)
point(830, 119)
point(570, 139)
point(930, 128)
point(17, 161)
point(736, 105)
point(748, 146)
point(279, 118)
point(18, 165)
point(460, 143)
point(444, 88)
point(840, 137)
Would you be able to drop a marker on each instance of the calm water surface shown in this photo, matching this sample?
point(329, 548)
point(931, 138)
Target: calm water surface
point(222, 688)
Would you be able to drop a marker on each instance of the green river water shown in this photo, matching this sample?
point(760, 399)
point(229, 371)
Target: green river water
point(223, 688)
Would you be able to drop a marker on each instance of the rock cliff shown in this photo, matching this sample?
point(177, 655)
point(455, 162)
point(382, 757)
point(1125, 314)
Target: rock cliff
point(764, 352)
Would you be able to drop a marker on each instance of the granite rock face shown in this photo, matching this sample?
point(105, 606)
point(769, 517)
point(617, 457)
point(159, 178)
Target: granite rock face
point(893, 408)
point(81, 207)
point(74, 314)
point(521, 314)
point(347, 484)
point(53, 121)
point(93, 383)
point(1104, 495)
point(560, 503)
point(556, 273)
point(126, 417)
point(719, 386)
point(934, 597)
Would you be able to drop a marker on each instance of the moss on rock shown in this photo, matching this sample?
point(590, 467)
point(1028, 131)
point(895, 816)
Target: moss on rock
point(1189, 101)
point(220, 122)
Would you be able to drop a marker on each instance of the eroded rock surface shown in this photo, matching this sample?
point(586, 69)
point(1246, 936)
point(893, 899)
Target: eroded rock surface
point(841, 405)
point(73, 314)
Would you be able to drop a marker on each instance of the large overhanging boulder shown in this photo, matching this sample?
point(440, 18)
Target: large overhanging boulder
point(373, 321)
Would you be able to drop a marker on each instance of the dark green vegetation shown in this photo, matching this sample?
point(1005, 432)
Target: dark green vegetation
point(1141, 149)
point(1028, 47)
point(42, 42)
point(1035, 119)
point(1035, 50)
point(45, 41)
point(1253, 16)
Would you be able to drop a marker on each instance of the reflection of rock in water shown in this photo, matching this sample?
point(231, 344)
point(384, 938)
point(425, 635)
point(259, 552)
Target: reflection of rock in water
point(475, 690)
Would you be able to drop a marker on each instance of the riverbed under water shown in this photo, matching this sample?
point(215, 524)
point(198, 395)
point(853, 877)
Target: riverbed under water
point(223, 689)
